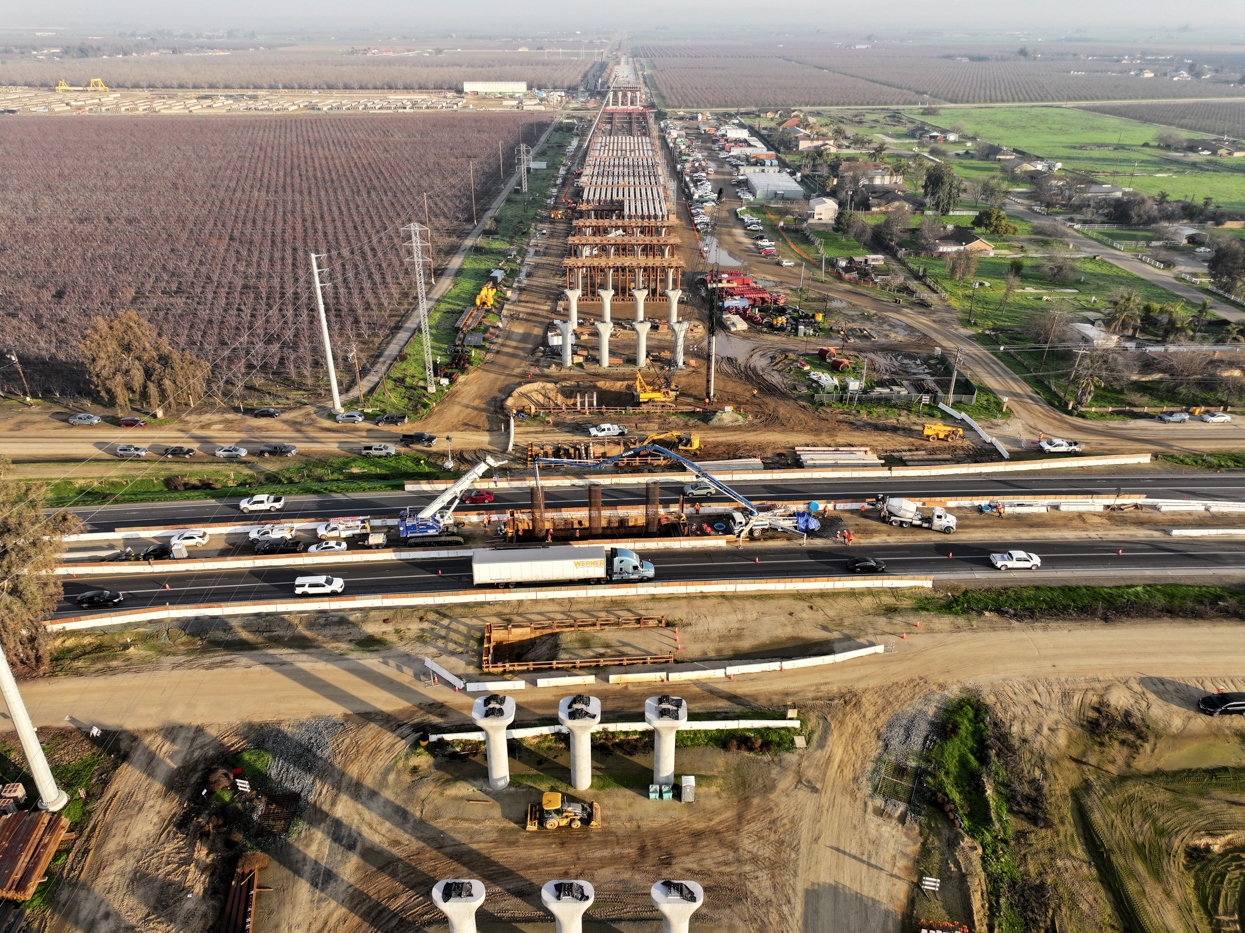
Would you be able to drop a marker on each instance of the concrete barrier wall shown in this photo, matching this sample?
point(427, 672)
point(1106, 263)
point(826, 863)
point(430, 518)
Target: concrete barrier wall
point(353, 557)
point(578, 680)
point(1205, 532)
point(460, 597)
point(494, 686)
point(437, 669)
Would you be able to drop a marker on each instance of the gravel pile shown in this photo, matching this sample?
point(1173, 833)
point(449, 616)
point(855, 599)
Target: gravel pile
point(298, 755)
point(911, 733)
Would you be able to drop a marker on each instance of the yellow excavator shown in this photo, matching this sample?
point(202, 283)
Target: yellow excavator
point(555, 811)
point(97, 84)
point(681, 441)
point(942, 432)
point(645, 393)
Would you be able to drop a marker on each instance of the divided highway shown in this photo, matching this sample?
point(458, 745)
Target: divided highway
point(926, 554)
point(381, 504)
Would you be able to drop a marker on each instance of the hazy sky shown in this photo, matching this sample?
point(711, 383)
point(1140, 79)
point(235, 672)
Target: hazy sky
point(1222, 20)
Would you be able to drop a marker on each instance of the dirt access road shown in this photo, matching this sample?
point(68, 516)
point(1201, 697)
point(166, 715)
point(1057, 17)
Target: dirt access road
point(793, 844)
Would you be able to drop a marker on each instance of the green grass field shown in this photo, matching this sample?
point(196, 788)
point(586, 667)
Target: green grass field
point(1055, 132)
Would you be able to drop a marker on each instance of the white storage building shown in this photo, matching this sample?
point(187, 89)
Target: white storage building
point(775, 186)
point(494, 87)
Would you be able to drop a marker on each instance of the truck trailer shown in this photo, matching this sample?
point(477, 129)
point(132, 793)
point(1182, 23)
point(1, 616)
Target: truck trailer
point(563, 563)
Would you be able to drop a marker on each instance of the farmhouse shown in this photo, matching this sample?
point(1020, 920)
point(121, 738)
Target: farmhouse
point(962, 240)
point(998, 153)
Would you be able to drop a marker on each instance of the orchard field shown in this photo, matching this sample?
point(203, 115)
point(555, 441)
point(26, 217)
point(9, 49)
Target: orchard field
point(204, 226)
point(1214, 117)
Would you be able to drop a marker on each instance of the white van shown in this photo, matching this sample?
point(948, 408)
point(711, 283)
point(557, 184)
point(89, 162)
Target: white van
point(318, 586)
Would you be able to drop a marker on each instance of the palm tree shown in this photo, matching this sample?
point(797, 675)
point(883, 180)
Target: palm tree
point(1124, 314)
point(1085, 388)
point(1232, 333)
point(1203, 312)
point(1179, 320)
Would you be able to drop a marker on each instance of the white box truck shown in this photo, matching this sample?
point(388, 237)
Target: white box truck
point(564, 563)
point(904, 513)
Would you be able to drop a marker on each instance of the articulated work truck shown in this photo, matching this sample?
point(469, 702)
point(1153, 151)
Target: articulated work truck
point(564, 563)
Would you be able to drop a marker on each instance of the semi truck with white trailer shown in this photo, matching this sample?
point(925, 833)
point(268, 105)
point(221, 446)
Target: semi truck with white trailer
point(904, 513)
point(559, 563)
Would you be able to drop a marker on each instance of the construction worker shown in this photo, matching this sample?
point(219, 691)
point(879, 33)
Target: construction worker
point(549, 536)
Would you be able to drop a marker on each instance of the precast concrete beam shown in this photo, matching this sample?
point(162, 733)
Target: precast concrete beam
point(572, 298)
point(603, 332)
point(494, 714)
point(567, 901)
point(672, 309)
point(607, 295)
point(459, 899)
point(568, 348)
point(640, 294)
point(666, 714)
point(581, 715)
point(680, 336)
point(677, 901)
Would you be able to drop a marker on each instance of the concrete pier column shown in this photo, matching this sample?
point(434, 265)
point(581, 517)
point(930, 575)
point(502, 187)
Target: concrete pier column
point(673, 294)
point(567, 901)
point(641, 342)
point(603, 331)
point(666, 714)
point(580, 714)
point(640, 295)
point(568, 348)
point(459, 899)
point(677, 901)
point(572, 298)
point(607, 295)
point(494, 713)
point(51, 797)
point(680, 335)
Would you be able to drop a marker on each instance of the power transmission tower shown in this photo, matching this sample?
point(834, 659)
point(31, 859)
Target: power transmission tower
point(421, 252)
point(523, 155)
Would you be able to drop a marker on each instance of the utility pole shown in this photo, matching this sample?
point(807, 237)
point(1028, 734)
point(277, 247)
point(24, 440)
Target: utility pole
point(418, 257)
point(471, 169)
point(324, 333)
point(523, 155)
point(955, 372)
point(51, 797)
point(432, 279)
point(501, 164)
point(358, 379)
point(1072, 379)
point(16, 362)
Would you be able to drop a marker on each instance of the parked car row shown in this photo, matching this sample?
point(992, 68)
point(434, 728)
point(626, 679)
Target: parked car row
point(228, 452)
point(86, 419)
point(1179, 417)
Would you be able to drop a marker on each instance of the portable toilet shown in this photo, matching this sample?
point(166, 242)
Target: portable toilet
point(687, 790)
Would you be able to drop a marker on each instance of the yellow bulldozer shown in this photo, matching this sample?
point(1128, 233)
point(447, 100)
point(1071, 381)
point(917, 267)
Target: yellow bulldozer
point(680, 441)
point(555, 811)
point(942, 432)
point(645, 393)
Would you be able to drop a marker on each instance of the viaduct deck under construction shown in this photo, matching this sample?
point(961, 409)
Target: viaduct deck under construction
point(623, 242)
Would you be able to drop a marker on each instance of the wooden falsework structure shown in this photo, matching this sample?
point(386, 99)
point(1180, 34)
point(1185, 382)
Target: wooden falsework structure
point(623, 236)
point(240, 904)
point(497, 634)
point(28, 840)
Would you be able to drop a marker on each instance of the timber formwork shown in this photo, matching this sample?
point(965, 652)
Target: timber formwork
point(499, 635)
point(623, 227)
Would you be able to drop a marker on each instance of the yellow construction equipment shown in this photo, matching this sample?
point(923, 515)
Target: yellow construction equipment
point(942, 432)
point(554, 812)
point(488, 294)
point(645, 393)
point(97, 84)
point(681, 441)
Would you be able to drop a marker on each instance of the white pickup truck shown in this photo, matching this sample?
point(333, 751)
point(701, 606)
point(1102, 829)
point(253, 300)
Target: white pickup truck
point(262, 503)
point(1016, 560)
point(607, 430)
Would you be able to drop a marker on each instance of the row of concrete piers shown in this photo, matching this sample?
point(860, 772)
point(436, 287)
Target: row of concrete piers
point(639, 325)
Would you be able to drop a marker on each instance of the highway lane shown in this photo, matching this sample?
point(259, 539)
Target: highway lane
point(1076, 482)
point(1062, 561)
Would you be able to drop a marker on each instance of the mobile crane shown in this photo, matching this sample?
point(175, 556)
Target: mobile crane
point(790, 519)
point(97, 84)
point(433, 524)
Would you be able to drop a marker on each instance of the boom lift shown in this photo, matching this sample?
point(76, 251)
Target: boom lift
point(790, 519)
point(434, 523)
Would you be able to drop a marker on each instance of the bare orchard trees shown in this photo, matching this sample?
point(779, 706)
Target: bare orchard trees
point(962, 265)
point(128, 363)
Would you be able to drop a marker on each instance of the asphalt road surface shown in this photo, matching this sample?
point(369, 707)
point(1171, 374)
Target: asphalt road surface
point(927, 554)
point(387, 504)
